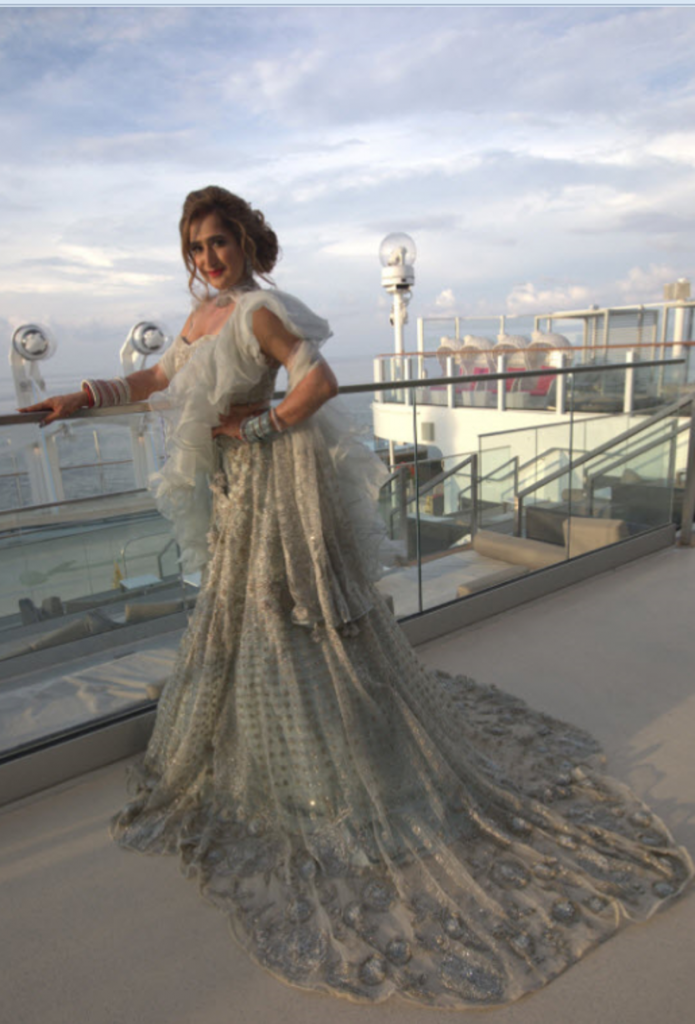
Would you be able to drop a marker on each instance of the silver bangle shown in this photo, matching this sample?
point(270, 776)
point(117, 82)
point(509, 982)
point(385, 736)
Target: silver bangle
point(275, 419)
point(258, 428)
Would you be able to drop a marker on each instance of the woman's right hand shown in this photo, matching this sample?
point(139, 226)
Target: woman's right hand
point(59, 407)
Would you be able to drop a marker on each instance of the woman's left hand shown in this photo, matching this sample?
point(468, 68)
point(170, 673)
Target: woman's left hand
point(232, 420)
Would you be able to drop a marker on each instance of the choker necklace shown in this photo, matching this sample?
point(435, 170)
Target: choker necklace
point(229, 295)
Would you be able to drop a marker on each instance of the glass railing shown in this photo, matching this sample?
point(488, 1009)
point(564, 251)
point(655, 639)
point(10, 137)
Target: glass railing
point(86, 574)
point(617, 378)
point(582, 484)
point(78, 458)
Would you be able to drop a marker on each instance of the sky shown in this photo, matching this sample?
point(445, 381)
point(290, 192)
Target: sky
point(541, 158)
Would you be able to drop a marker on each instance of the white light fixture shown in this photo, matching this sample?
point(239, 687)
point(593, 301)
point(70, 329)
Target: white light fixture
point(30, 345)
point(397, 253)
point(32, 342)
point(144, 339)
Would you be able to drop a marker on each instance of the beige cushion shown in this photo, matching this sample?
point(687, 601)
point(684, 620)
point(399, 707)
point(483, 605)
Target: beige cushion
point(534, 554)
point(135, 613)
point(587, 534)
point(492, 579)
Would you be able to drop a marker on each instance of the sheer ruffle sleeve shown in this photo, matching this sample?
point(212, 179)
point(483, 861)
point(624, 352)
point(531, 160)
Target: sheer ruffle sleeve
point(168, 361)
point(294, 315)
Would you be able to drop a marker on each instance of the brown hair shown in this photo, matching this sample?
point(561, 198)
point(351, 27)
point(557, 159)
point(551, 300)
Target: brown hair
point(256, 238)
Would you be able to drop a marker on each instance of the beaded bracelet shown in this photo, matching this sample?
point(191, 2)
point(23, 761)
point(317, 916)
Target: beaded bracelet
point(102, 393)
point(259, 428)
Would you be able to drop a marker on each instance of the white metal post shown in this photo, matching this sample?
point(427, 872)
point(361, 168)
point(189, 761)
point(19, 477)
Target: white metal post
point(450, 387)
point(409, 374)
point(606, 330)
point(501, 384)
point(420, 334)
point(629, 395)
point(378, 379)
point(398, 321)
point(561, 387)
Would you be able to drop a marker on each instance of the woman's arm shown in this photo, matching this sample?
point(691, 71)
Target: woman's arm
point(278, 344)
point(142, 384)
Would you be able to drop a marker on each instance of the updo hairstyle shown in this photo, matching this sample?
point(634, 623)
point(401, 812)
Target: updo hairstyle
point(256, 238)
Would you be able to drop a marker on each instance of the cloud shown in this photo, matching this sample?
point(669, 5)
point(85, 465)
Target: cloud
point(646, 285)
point(513, 144)
point(532, 298)
point(446, 300)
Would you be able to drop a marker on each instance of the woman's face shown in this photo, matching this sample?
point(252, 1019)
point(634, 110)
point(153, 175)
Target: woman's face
point(218, 257)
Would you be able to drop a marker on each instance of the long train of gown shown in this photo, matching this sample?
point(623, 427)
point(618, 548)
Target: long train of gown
point(367, 826)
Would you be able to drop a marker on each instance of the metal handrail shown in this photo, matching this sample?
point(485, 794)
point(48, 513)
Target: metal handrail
point(610, 455)
point(98, 465)
point(72, 501)
point(162, 553)
point(441, 477)
point(523, 465)
point(432, 353)
point(634, 452)
point(13, 419)
point(668, 410)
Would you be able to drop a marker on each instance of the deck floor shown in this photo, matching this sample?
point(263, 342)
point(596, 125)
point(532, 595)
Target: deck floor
point(91, 932)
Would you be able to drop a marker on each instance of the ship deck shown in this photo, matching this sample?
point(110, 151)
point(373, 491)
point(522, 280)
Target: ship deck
point(92, 932)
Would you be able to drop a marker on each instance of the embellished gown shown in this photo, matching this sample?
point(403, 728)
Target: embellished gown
point(367, 826)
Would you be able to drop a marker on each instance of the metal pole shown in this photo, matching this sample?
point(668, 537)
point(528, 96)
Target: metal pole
point(450, 398)
point(688, 512)
point(629, 393)
point(501, 384)
point(378, 379)
point(474, 494)
point(398, 319)
point(561, 387)
point(417, 508)
point(420, 334)
point(518, 514)
point(402, 506)
point(409, 374)
point(606, 331)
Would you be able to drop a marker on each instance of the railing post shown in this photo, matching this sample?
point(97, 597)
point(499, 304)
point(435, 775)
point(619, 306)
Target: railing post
point(402, 505)
point(409, 374)
point(629, 393)
point(518, 514)
point(561, 387)
point(51, 466)
point(688, 510)
point(141, 467)
point(474, 494)
point(379, 379)
point(450, 398)
point(501, 384)
point(606, 331)
point(420, 334)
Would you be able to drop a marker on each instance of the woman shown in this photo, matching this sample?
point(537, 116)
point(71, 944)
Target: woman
point(368, 827)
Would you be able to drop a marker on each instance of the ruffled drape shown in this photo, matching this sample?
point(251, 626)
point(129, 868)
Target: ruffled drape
point(230, 368)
